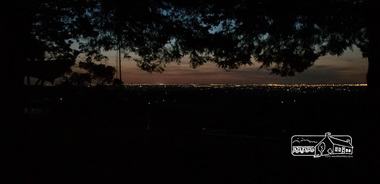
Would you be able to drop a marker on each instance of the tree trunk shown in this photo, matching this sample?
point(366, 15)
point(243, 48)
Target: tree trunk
point(373, 75)
point(369, 126)
point(15, 44)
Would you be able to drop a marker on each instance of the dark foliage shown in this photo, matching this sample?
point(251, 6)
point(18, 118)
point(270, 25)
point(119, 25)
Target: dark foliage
point(287, 36)
point(98, 74)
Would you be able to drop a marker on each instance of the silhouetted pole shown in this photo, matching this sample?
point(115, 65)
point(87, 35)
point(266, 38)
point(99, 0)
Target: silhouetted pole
point(117, 64)
point(120, 61)
point(373, 74)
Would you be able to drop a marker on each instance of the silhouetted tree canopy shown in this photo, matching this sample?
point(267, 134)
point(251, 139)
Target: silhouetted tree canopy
point(286, 36)
point(99, 73)
point(50, 68)
point(78, 79)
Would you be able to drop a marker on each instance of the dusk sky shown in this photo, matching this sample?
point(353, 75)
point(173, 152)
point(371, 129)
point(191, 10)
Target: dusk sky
point(351, 67)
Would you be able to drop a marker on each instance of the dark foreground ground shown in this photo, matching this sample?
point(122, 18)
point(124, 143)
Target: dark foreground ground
point(188, 135)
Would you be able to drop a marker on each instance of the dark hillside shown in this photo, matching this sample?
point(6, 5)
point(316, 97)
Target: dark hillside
point(183, 134)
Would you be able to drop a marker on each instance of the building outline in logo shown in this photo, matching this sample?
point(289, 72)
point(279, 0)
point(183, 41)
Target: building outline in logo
point(322, 145)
